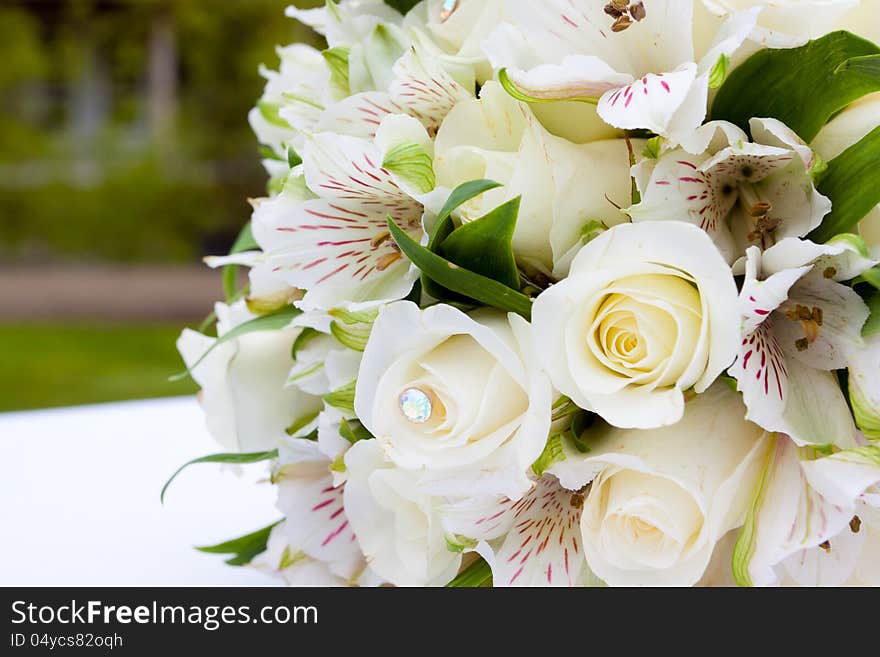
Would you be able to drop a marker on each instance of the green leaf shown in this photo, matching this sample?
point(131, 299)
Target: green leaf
point(273, 322)
point(337, 62)
point(403, 6)
point(871, 277)
point(235, 459)
point(872, 326)
point(343, 398)
point(802, 87)
point(852, 182)
point(244, 548)
point(477, 574)
point(455, 278)
point(354, 432)
point(413, 164)
point(485, 246)
point(461, 195)
point(244, 242)
point(271, 112)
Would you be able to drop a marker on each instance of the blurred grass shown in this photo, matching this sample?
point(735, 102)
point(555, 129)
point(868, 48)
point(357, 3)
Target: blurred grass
point(45, 365)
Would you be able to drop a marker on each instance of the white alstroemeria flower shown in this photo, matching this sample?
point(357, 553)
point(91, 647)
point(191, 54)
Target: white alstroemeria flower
point(533, 541)
point(802, 502)
point(660, 500)
point(336, 245)
point(648, 311)
point(316, 525)
point(564, 186)
point(780, 23)
point(742, 193)
point(346, 22)
point(848, 128)
point(296, 569)
point(247, 405)
point(298, 90)
point(396, 523)
point(639, 65)
point(457, 30)
point(798, 326)
point(459, 400)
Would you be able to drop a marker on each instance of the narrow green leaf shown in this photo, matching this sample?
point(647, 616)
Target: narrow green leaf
point(244, 242)
point(455, 278)
point(271, 322)
point(485, 247)
point(293, 158)
point(852, 182)
point(802, 87)
point(244, 548)
point(235, 459)
point(477, 574)
point(403, 6)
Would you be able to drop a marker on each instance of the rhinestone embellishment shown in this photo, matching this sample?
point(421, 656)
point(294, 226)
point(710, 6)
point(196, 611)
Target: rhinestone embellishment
point(449, 7)
point(415, 404)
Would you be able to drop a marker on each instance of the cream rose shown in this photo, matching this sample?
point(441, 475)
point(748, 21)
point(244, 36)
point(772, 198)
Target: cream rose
point(459, 398)
point(663, 498)
point(564, 186)
point(648, 311)
point(396, 523)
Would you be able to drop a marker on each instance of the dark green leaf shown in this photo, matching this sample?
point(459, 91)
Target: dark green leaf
point(484, 246)
point(403, 6)
point(802, 87)
point(244, 548)
point(235, 459)
point(244, 242)
point(460, 280)
point(477, 574)
point(293, 158)
point(273, 322)
point(852, 182)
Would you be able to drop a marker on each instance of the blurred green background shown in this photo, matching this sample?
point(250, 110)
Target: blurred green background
point(125, 156)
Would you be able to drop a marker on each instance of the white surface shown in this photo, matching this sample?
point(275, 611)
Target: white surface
point(79, 498)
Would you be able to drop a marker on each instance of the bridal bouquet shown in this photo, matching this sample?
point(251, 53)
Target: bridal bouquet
point(561, 293)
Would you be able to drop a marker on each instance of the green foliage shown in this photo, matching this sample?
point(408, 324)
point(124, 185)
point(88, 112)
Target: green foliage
point(233, 459)
point(245, 548)
point(477, 574)
point(802, 87)
point(852, 182)
point(89, 363)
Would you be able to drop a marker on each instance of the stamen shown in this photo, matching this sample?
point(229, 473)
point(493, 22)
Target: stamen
point(830, 272)
point(380, 239)
point(826, 546)
point(387, 260)
point(625, 13)
point(855, 524)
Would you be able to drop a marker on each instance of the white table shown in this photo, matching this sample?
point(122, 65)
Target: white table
point(79, 498)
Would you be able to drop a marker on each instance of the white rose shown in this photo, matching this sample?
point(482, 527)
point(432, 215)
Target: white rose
point(648, 311)
point(458, 29)
point(664, 498)
point(564, 186)
point(458, 398)
point(244, 394)
point(396, 523)
point(844, 130)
